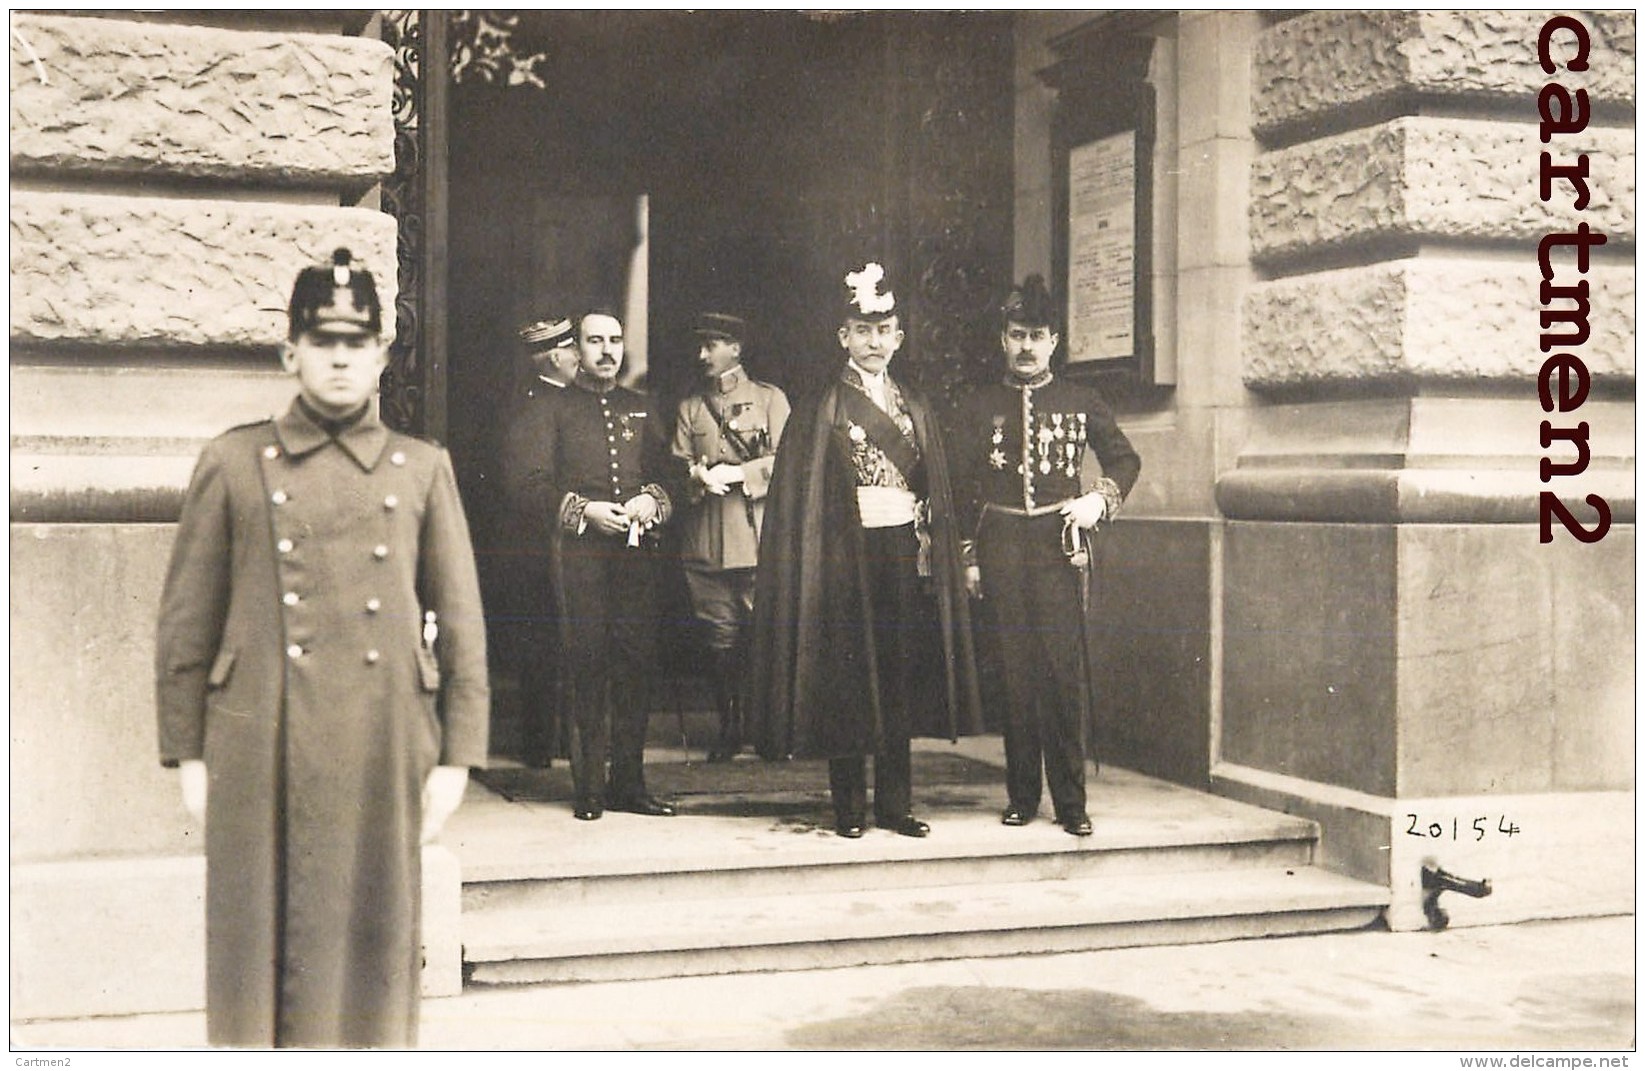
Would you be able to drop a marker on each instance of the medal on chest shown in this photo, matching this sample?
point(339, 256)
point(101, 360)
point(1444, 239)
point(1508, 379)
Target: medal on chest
point(996, 442)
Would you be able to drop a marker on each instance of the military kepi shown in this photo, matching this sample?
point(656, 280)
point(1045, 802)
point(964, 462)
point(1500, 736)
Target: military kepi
point(867, 296)
point(339, 298)
point(545, 335)
point(720, 325)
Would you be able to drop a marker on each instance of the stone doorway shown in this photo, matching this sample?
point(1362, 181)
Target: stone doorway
point(761, 154)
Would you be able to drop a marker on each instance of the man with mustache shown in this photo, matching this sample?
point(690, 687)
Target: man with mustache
point(599, 482)
point(727, 434)
point(1020, 470)
point(862, 632)
point(527, 600)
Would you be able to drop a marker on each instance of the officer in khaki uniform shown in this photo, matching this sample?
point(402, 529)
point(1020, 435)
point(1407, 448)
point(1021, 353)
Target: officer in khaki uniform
point(727, 435)
point(321, 687)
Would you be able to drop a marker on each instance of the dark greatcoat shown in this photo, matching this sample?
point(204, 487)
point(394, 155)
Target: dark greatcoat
point(521, 603)
point(291, 659)
point(813, 688)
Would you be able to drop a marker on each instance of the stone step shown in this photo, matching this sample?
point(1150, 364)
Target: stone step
point(808, 928)
point(957, 853)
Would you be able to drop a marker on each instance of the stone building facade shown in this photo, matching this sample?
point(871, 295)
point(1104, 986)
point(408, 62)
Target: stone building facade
point(169, 177)
point(1327, 595)
point(1335, 548)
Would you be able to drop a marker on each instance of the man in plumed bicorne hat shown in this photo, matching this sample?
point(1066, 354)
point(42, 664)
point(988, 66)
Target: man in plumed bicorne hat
point(322, 689)
point(862, 628)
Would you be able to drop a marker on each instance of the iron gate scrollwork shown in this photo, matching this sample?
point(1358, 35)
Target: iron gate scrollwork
point(959, 185)
point(945, 202)
point(477, 46)
point(402, 386)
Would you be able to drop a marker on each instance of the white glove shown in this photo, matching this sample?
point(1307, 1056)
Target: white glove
point(1085, 510)
point(642, 509)
point(705, 477)
point(191, 775)
point(606, 517)
point(442, 792)
point(725, 473)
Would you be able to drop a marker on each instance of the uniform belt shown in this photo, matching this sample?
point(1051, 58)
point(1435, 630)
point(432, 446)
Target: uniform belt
point(1036, 511)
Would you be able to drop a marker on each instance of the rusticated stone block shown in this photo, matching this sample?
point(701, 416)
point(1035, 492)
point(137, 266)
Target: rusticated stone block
point(1424, 319)
point(1419, 177)
point(104, 95)
point(137, 271)
point(1326, 62)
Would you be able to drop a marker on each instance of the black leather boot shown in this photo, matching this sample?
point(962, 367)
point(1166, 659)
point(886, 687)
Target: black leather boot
point(726, 698)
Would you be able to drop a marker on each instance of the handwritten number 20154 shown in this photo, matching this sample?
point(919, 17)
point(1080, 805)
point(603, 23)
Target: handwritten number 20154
point(1478, 828)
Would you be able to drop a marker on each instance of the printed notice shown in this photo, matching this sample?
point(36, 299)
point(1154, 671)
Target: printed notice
point(1102, 237)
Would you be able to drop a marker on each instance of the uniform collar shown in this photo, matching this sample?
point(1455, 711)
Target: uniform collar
point(594, 384)
point(364, 440)
point(552, 382)
point(729, 380)
point(1028, 384)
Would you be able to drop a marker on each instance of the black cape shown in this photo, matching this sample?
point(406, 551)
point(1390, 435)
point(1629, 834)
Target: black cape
point(813, 692)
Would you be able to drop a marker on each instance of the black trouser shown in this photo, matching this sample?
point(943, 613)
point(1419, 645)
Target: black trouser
point(537, 658)
point(1034, 600)
point(608, 608)
point(892, 557)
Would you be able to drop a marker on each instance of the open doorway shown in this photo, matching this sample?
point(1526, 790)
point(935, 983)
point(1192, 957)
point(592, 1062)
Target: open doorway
point(749, 158)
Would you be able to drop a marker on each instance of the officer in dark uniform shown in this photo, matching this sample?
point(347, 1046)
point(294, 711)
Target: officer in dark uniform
point(321, 686)
point(727, 435)
point(526, 601)
point(1020, 449)
point(599, 475)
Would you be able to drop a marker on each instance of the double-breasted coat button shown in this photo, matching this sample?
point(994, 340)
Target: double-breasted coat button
point(380, 551)
point(391, 501)
point(373, 605)
point(372, 657)
point(398, 457)
point(271, 452)
point(278, 497)
point(284, 546)
point(289, 598)
point(294, 651)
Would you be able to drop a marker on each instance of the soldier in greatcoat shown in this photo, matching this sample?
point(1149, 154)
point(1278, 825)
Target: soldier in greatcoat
point(727, 435)
point(322, 689)
point(1032, 506)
